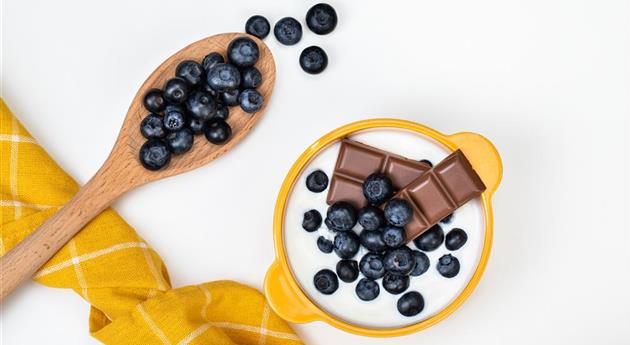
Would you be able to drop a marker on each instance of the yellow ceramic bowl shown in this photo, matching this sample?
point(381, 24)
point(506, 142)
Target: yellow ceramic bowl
point(283, 292)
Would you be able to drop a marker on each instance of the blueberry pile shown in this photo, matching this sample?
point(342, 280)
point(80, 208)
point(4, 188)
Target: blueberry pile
point(197, 100)
point(387, 258)
point(321, 19)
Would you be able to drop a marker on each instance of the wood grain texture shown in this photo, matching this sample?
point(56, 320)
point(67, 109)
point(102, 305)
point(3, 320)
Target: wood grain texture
point(122, 170)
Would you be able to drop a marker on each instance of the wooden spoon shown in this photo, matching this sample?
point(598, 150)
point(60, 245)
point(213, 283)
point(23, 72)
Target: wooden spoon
point(122, 170)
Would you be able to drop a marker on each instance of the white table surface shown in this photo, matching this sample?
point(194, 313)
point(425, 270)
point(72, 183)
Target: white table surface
point(547, 81)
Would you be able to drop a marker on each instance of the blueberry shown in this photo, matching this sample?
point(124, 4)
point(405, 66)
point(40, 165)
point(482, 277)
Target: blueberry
point(321, 19)
point(410, 304)
point(155, 154)
point(191, 71)
point(207, 89)
point(431, 239)
point(312, 220)
point(342, 216)
point(174, 118)
point(371, 218)
point(218, 131)
point(152, 127)
point(399, 261)
point(422, 263)
point(210, 60)
point(257, 26)
point(223, 112)
point(329, 225)
point(377, 188)
point(224, 77)
point(201, 105)
point(448, 266)
point(393, 236)
point(250, 78)
point(197, 126)
point(394, 283)
point(326, 281)
point(230, 97)
point(180, 141)
point(367, 289)
point(455, 239)
point(154, 101)
point(346, 244)
point(447, 219)
point(398, 212)
point(243, 52)
point(371, 239)
point(325, 245)
point(317, 181)
point(313, 60)
point(288, 31)
point(427, 162)
point(250, 100)
point(372, 266)
point(347, 270)
point(176, 90)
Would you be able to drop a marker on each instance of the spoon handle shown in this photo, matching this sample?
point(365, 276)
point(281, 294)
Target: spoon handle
point(35, 250)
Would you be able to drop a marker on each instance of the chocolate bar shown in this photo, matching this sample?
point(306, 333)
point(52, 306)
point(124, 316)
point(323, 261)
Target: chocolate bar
point(357, 161)
point(440, 191)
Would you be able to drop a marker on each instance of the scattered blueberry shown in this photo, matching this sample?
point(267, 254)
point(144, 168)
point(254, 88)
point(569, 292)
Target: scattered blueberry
point(191, 71)
point(174, 118)
point(372, 266)
point(312, 220)
point(447, 219)
point(154, 101)
point(250, 100)
point(201, 105)
point(410, 304)
point(455, 239)
point(250, 78)
point(218, 131)
point(448, 266)
point(428, 162)
point(326, 281)
point(371, 218)
point(325, 245)
point(398, 212)
point(347, 270)
point(317, 181)
point(372, 240)
point(399, 261)
point(377, 188)
point(288, 31)
point(243, 52)
point(431, 239)
point(257, 26)
point(155, 154)
point(230, 97)
point(152, 127)
point(346, 244)
point(321, 19)
point(180, 141)
point(367, 289)
point(223, 112)
point(393, 236)
point(210, 60)
point(223, 77)
point(196, 125)
point(342, 216)
point(422, 263)
point(176, 90)
point(394, 283)
point(313, 60)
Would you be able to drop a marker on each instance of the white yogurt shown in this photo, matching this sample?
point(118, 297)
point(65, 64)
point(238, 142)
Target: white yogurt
point(305, 259)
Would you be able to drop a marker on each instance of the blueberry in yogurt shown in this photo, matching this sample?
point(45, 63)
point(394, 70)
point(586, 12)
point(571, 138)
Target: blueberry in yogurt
point(455, 239)
point(410, 304)
point(347, 270)
point(155, 154)
point(367, 289)
point(317, 181)
point(431, 239)
point(398, 212)
point(393, 236)
point(312, 220)
point(395, 283)
point(258, 26)
point(377, 188)
point(372, 241)
point(321, 19)
point(326, 281)
point(346, 244)
point(325, 245)
point(243, 52)
point(342, 216)
point(288, 31)
point(448, 266)
point(447, 219)
point(152, 127)
point(427, 162)
point(371, 218)
point(422, 263)
point(399, 261)
point(371, 265)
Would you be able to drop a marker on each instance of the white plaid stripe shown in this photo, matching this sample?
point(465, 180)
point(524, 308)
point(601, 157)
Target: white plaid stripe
point(72, 247)
point(154, 328)
point(17, 203)
point(154, 271)
point(14, 138)
point(208, 296)
point(13, 165)
point(248, 328)
point(263, 325)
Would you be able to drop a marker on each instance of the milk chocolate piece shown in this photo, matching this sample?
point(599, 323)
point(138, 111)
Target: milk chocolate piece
point(440, 191)
point(357, 161)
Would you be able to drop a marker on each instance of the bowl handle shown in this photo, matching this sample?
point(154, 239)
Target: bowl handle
point(284, 300)
point(483, 156)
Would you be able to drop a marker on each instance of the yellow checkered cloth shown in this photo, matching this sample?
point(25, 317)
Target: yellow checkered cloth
point(116, 271)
